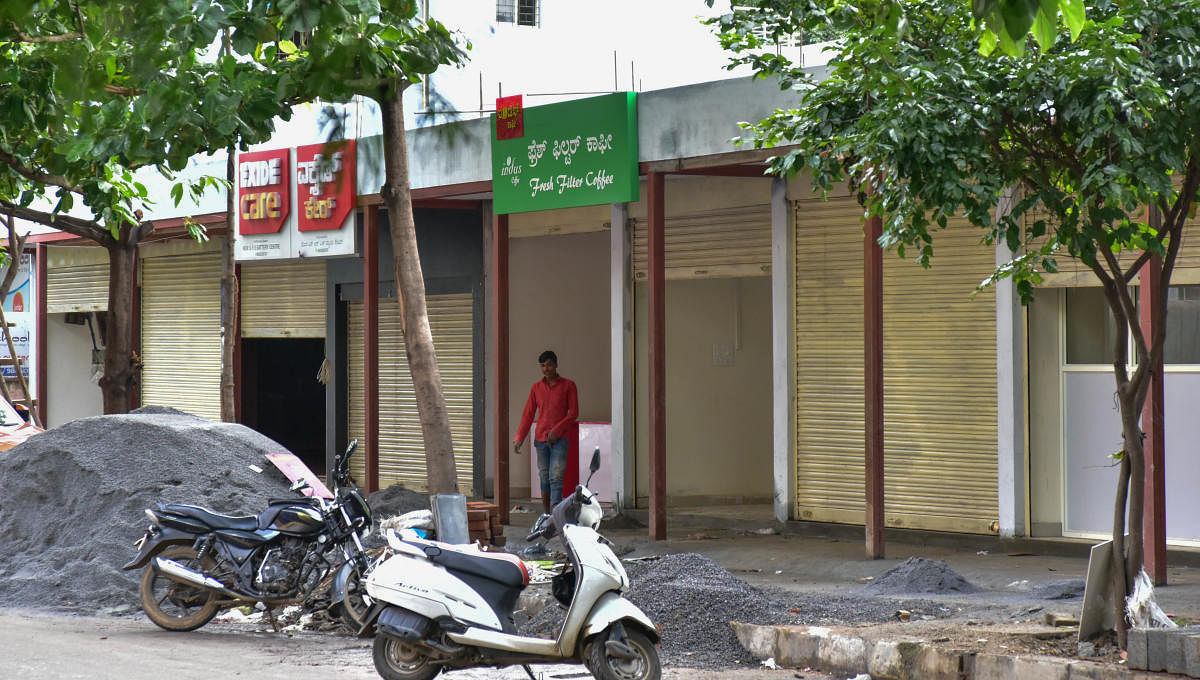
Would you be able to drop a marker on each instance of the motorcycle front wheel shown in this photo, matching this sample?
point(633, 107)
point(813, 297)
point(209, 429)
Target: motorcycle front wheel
point(642, 665)
point(357, 603)
point(398, 660)
point(172, 605)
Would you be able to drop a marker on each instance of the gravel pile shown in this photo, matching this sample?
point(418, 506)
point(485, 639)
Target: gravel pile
point(919, 575)
point(396, 500)
point(71, 499)
point(693, 599)
point(1062, 589)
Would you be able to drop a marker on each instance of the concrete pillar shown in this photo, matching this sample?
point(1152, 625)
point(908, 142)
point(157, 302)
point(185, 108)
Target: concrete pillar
point(783, 376)
point(621, 316)
point(1012, 476)
point(1154, 504)
point(873, 384)
point(656, 252)
point(499, 354)
point(371, 347)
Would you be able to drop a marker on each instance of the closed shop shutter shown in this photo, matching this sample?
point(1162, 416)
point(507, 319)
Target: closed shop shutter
point(76, 279)
point(283, 299)
point(730, 242)
point(77, 289)
point(401, 444)
point(939, 377)
point(181, 333)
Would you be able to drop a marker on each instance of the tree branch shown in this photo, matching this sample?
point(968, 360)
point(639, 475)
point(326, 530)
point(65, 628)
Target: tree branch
point(37, 175)
point(71, 225)
point(26, 38)
point(123, 91)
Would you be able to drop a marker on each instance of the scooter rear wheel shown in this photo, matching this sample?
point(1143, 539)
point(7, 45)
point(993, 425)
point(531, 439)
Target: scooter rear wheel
point(395, 659)
point(644, 665)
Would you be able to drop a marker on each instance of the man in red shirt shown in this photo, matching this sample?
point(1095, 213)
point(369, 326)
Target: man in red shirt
point(557, 404)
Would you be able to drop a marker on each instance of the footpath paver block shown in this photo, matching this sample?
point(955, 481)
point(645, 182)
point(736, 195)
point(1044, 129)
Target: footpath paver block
point(1028, 668)
point(842, 654)
point(799, 646)
point(993, 667)
point(759, 641)
point(893, 659)
point(999, 667)
point(1138, 649)
point(1191, 655)
point(933, 663)
point(1156, 648)
point(1092, 670)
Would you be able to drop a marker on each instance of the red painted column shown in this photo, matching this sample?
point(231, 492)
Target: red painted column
point(43, 356)
point(656, 252)
point(1154, 514)
point(873, 384)
point(371, 346)
point(499, 355)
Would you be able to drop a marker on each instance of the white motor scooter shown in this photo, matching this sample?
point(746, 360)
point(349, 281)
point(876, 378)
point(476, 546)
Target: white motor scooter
point(440, 606)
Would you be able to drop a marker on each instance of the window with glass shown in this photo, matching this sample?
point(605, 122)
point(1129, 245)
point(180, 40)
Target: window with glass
point(520, 12)
point(1091, 327)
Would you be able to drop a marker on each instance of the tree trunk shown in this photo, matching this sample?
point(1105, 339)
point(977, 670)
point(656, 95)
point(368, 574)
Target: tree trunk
point(121, 368)
point(229, 302)
point(410, 287)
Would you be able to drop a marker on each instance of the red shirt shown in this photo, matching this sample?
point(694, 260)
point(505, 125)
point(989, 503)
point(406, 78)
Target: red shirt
point(557, 408)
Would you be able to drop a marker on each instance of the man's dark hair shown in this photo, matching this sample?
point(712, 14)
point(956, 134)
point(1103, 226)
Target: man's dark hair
point(547, 356)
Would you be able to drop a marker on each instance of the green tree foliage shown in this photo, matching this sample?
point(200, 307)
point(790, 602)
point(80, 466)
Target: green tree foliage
point(91, 91)
point(1087, 131)
point(1001, 23)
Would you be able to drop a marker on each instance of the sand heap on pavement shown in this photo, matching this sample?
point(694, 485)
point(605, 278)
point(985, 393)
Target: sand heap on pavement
point(71, 499)
point(919, 575)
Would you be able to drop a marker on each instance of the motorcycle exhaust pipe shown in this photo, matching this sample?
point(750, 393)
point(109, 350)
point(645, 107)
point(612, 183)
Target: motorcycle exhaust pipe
point(177, 572)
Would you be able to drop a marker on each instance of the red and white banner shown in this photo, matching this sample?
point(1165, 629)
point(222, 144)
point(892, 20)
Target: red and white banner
point(264, 191)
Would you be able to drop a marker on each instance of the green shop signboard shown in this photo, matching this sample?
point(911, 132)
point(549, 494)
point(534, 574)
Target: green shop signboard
point(581, 152)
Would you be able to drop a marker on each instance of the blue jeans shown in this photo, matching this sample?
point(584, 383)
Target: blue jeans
point(552, 462)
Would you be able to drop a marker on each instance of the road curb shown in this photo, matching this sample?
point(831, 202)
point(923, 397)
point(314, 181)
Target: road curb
point(907, 658)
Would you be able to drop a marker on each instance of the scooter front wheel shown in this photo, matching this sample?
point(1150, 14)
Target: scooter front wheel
point(398, 660)
point(636, 661)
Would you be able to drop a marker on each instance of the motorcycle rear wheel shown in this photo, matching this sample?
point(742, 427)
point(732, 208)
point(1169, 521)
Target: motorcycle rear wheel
point(395, 659)
point(644, 665)
point(172, 605)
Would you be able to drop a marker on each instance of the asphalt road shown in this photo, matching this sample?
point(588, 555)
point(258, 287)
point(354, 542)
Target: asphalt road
point(44, 646)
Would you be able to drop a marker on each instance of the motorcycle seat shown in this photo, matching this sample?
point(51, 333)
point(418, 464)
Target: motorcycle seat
point(213, 519)
point(500, 567)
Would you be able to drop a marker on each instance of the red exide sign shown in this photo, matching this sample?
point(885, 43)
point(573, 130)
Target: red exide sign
point(325, 184)
point(510, 117)
point(264, 192)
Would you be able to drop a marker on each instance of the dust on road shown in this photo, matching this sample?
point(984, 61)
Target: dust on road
point(51, 646)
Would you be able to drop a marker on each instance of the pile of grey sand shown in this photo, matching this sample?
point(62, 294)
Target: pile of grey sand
point(72, 499)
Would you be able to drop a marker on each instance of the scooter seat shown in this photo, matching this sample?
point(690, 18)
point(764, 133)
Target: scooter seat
point(213, 519)
point(500, 567)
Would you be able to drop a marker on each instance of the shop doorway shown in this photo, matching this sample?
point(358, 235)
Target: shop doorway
point(281, 396)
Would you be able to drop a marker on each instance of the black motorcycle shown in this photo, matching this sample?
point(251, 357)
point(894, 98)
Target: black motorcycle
point(199, 562)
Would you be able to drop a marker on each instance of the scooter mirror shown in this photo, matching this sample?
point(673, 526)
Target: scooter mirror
point(594, 465)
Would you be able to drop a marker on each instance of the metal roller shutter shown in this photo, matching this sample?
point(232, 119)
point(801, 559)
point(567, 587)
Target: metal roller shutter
point(283, 299)
point(181, 333)
point(77, 289)
point(730, 242)
point(401, 444)
point(939, 377)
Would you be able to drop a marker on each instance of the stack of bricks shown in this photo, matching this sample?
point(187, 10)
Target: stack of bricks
point(483, 523)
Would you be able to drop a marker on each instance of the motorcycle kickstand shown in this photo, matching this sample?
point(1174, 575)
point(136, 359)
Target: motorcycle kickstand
point(270, 611)
point(530, 672)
